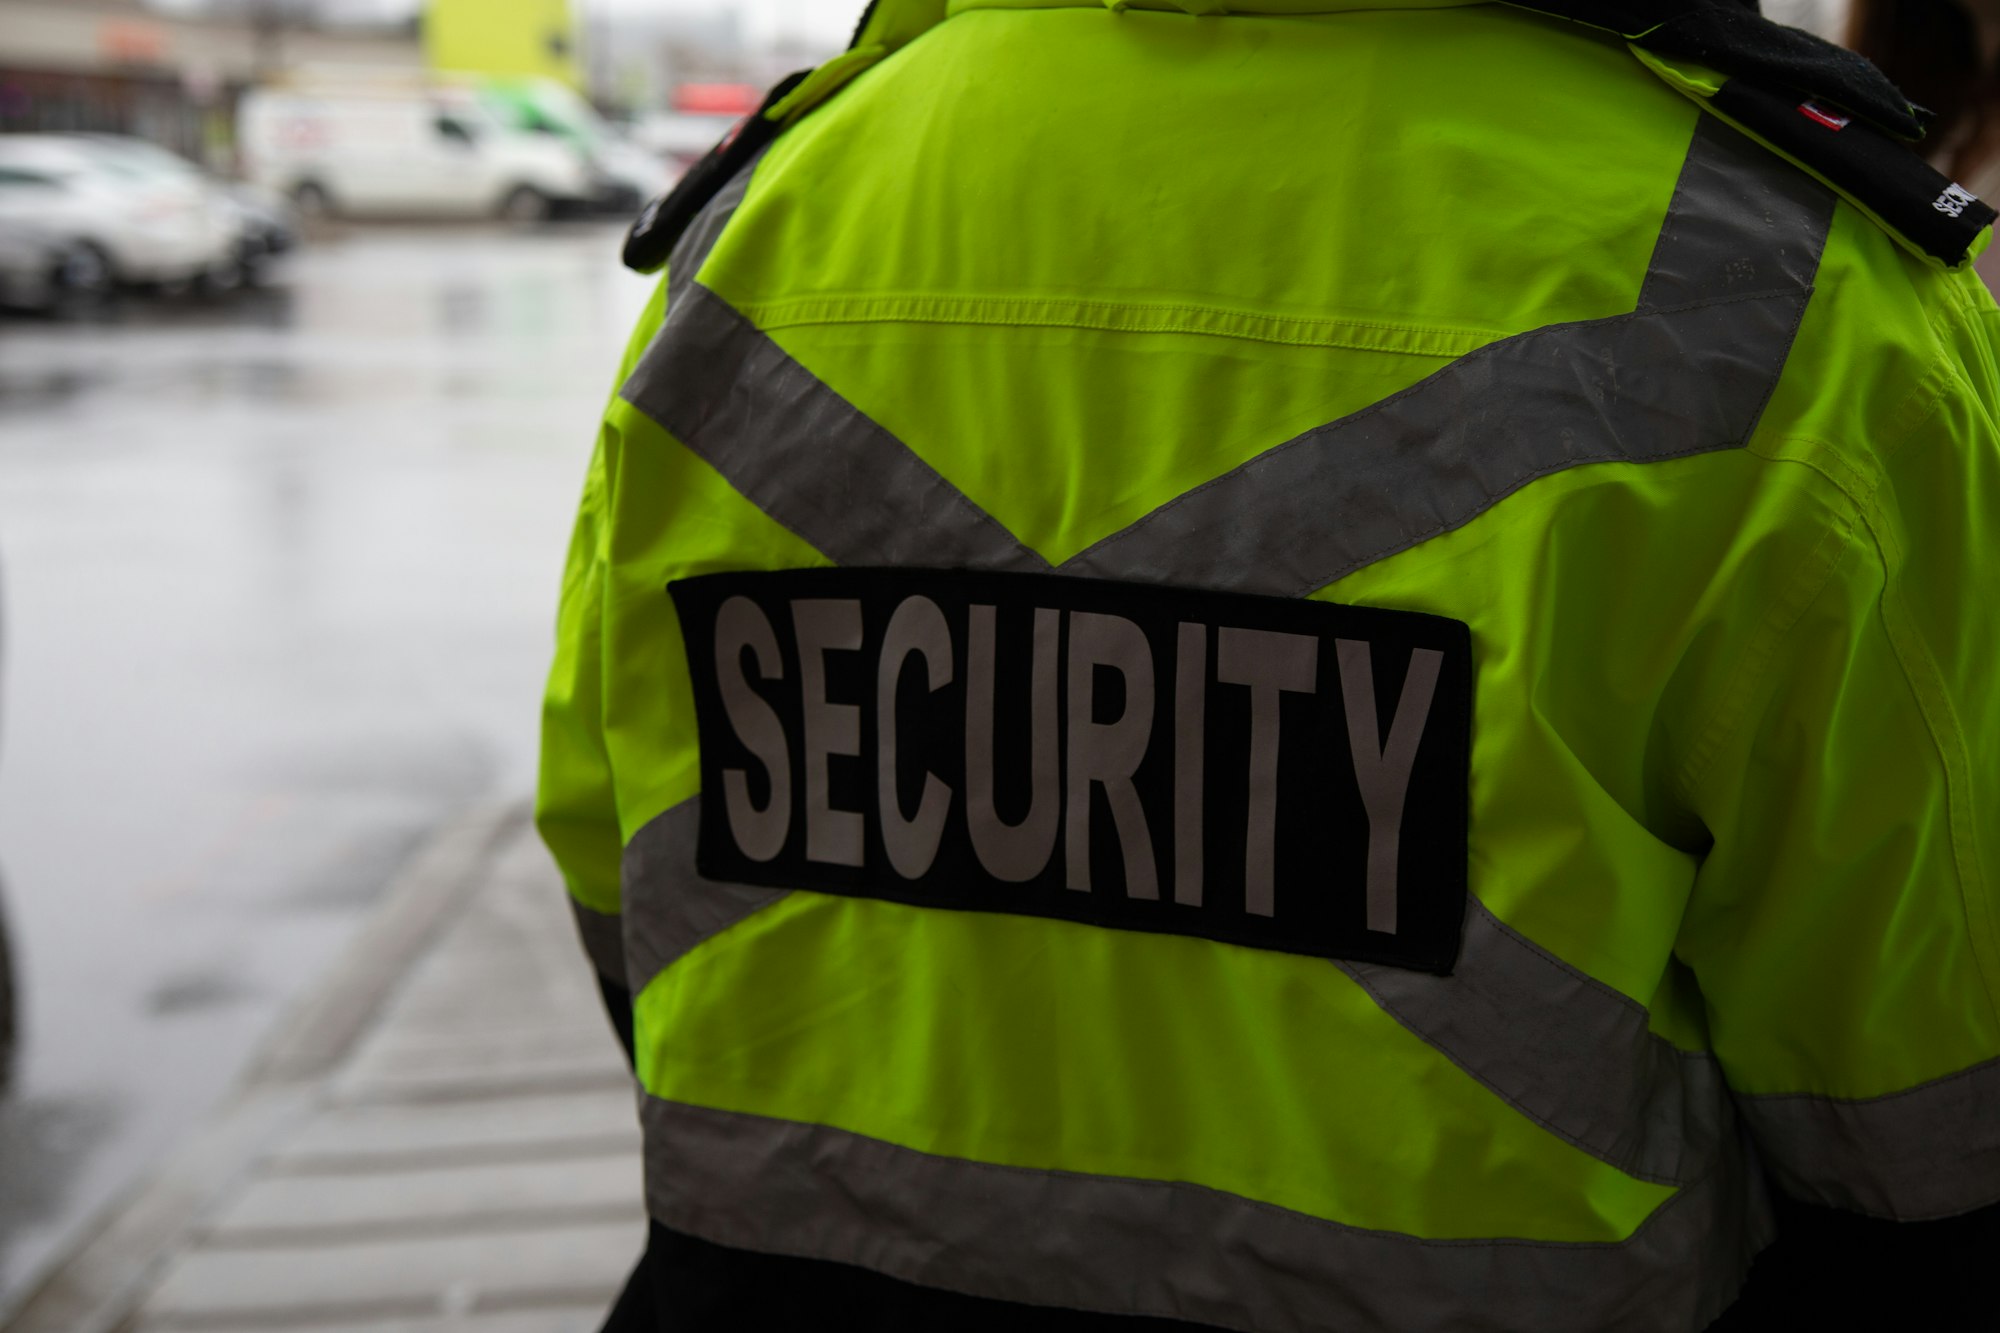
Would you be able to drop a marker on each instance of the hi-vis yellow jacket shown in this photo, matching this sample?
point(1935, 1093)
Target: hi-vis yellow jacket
point(1327, 666)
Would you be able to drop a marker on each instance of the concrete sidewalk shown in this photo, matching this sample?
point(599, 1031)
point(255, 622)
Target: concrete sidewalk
point(442, 1140)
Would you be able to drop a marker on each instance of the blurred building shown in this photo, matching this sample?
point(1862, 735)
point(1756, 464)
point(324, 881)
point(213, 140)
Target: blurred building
point(638, 60)
point(515, 38)
point(1827, 18)
point(172, 72)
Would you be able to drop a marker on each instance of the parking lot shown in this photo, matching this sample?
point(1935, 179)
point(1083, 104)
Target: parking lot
point(279, 572)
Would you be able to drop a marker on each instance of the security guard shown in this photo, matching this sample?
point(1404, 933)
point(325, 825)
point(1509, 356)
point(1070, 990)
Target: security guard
point(1295, 665)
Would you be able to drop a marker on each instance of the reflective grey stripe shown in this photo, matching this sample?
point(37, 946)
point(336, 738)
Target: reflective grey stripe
point(1933, 1151)
point(1178, 1250)
point(1562, 1048)
point(1742, 242)
point(795, 448)
point(1739, 225)
point(802, 453)
point(669, 908)
point(690, 252)
point(603, 939)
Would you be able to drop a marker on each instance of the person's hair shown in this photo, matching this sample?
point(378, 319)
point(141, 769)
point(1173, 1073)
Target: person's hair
point(1930, 49)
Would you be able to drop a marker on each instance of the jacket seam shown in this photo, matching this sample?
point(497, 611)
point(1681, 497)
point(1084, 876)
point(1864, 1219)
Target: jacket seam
point(1805, 587)
point(1123, 317)
point(1925, 682)
point(1859, 494)
point(1921, 674)
point(1913, 657)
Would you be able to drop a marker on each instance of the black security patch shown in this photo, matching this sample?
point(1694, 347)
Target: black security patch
point(1272, 772)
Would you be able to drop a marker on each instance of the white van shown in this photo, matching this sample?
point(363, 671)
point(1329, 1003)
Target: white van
point(382, 151)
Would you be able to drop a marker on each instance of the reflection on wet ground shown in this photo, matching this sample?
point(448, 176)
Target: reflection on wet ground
point(279, 572)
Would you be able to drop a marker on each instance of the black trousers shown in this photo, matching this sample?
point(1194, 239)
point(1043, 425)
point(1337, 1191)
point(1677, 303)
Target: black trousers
point(1827, 1271)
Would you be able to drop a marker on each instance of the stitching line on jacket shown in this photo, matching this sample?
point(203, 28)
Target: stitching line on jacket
point(1807, 584)
point(1919, 667)
point(1111, 316)
point(1314, 436)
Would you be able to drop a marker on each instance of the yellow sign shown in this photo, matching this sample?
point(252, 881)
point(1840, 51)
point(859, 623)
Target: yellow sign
point(522, 38)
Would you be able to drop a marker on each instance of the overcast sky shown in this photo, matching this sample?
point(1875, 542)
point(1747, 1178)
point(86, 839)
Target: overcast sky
point(826, 20)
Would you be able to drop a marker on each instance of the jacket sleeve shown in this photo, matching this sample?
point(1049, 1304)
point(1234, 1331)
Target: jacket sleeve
point(1843, 923)
point(576, 806)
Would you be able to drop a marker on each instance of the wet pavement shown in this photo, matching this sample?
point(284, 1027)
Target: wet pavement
point(278, 578)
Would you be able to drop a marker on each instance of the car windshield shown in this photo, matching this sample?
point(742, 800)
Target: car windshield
point(134, 159)
point(545, 109)
point(29, 178)
point(43, 164)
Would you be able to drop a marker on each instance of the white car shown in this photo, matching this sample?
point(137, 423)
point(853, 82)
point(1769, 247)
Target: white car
point(42, 271)
point(259, 224)
point(399, 152)
point(145, 227)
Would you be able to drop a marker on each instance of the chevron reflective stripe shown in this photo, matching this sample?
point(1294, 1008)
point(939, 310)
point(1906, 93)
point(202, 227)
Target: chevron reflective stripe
point(1736, 229)
point(690, 252)
point(1688, 371)
point(1928, 1152)
point(670, 908)
point(1559, 1046)
point(1178, 1250)
point(802, 453)
point(1564, 1049)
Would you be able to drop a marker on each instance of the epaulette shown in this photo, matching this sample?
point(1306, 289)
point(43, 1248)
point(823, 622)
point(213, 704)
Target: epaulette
point(1817, 104)
point(1905, 193)
point(659, 227)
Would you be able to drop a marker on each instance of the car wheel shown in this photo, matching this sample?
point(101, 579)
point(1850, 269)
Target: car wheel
point(83, 277)
point(251, 257)
point(312, 201)
point(220, 278)
point(525, 206)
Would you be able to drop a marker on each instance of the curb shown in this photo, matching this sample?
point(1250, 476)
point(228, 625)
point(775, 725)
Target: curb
point(98, 1285)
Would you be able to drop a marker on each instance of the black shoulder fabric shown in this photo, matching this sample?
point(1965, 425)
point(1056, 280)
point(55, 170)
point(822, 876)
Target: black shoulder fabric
point(653, 236)
point(1734, 39)
point(618, 1008)
point(1939, 217)
point(694, 1284)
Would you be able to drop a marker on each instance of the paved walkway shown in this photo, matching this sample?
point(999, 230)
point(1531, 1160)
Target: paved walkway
point(441, 1141)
